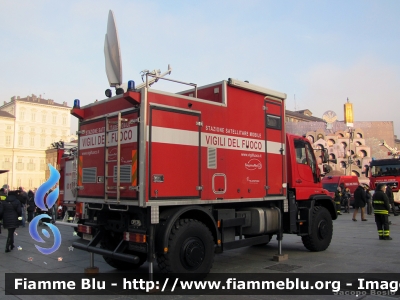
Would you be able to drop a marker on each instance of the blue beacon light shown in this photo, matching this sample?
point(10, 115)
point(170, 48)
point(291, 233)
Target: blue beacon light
point(131, 85)
point(77, 103)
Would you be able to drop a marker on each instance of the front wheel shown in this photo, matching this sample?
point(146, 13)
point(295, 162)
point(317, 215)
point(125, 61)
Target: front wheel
point(321, 233)
point(190, 249)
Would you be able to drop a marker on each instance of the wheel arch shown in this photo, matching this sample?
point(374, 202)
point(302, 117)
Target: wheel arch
point(202, 214)
point(327, 202)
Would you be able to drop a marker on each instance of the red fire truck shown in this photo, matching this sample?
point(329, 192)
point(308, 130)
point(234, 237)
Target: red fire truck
point(179, 177)
point(386, 171)
point(67, 184)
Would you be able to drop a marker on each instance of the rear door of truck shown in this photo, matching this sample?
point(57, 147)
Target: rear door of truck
point(275, 141)
point(98, 151)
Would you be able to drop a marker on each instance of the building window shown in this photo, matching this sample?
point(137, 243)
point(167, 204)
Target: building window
point(7, 163)
point(31, 165)
point(43, 118)
point(20, 141)
point(21, 128)
point(20, 165)
point(33, 129)
point(8, 127)
point(8, 140)
point(43, 130)
point(32, 141)
point(33, 117)
point(21, 115)
point(54, 119)
point(42, 165)
point(30, 182)
point(64, 121)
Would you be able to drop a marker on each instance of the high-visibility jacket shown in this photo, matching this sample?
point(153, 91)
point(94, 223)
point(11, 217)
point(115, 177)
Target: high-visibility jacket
point(2, 196)
point(380, 202)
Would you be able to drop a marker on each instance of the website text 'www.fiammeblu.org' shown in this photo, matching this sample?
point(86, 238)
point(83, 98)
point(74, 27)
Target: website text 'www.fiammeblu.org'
point(216, 284)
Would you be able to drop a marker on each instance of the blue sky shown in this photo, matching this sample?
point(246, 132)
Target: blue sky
point(320, 51)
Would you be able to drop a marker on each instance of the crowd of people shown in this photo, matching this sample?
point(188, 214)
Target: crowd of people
point(17, 208)
point(380, 203)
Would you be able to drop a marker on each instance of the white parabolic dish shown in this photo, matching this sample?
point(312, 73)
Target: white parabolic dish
point(112, 53)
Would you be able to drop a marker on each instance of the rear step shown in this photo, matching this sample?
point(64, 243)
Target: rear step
point(117, 253)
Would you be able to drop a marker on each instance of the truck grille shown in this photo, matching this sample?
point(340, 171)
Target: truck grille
point(89, 175)
point(125, 174)
point(212, 158)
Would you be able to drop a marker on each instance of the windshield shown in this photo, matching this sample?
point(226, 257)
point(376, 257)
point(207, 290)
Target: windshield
point(331, 187)
point(385, 170)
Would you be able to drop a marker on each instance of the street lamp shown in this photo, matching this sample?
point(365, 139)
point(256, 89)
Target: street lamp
point(348, 120)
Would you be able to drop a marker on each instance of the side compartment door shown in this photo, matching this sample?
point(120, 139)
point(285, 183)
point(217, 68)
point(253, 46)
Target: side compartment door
point(174, 145)
point(275, 147)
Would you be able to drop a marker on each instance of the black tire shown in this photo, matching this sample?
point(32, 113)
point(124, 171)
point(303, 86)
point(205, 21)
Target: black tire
point(321, 230)
point(190, 249)
point(110, 241)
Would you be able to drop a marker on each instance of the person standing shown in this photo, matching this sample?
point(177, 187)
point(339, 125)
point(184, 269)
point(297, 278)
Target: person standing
point(338, 200)
point(31, 207)
point(360, 199)
point(380, 202)
point(23, 198)
point(390, 195)
point(10, 212)
point(346, 200)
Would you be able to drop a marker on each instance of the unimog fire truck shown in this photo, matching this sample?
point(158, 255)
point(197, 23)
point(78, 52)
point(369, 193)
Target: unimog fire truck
point(176, 178)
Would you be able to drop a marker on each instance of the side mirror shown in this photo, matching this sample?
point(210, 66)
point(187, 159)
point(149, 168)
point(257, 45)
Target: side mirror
point(327, 168)
point(324, 155)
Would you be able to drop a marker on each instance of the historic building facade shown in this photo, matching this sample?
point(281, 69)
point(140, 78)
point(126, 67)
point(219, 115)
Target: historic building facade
point(28, 126)
point(350, 149)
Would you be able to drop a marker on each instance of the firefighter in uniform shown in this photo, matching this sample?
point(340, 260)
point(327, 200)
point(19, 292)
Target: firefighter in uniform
point(338, 199)
point(380, 202)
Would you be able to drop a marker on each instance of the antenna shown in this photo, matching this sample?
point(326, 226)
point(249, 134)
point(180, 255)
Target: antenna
point(112, 53)
point(156, 74)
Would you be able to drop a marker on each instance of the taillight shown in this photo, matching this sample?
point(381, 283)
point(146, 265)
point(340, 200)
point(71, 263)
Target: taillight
point(84, 229)
point(79, 210)
point(134, 237)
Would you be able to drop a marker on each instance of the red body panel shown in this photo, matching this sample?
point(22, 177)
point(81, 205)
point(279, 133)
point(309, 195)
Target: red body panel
point(229, 143)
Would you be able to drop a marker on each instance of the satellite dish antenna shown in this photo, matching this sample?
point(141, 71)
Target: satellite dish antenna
point(112, 53)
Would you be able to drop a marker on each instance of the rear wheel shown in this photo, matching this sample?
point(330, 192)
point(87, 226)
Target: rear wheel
point(190, 249)
point(321, 233)
point(110, 241)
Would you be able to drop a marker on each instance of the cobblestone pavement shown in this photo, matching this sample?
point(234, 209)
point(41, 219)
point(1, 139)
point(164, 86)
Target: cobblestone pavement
point(355, 248)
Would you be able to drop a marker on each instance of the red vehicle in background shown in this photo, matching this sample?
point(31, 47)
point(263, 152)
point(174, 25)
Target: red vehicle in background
point(331, 184)
point(386, 171)
point(66, 205)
